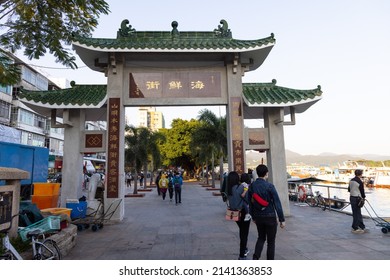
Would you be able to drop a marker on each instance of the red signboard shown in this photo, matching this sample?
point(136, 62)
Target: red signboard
point(113, 148)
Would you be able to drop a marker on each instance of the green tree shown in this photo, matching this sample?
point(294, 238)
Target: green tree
point(39, 26)
point(136, 150)
point(9, 72)
point(176, 149)
point(153, 150)
point(141, 148)
point(211, 135)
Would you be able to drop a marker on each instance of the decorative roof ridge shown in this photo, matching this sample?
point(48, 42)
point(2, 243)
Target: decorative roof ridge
point(127, 31)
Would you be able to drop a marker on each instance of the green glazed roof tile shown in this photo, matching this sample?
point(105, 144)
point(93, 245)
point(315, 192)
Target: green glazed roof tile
point(129, 39)
point(271, 94)
point(94, 96)
point(78, 96)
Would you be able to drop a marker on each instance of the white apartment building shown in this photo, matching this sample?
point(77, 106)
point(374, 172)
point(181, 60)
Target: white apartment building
point(151, 118)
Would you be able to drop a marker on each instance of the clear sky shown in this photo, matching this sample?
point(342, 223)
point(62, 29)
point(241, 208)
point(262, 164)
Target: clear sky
point(344, 46)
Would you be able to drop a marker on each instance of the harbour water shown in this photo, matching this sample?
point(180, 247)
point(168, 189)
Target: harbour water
point(378, 198)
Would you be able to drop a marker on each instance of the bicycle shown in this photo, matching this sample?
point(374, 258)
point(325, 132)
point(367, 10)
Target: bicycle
point(317, 201)
point(42, 248)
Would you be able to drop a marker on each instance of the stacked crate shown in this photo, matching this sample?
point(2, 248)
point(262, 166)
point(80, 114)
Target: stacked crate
point(45, 195)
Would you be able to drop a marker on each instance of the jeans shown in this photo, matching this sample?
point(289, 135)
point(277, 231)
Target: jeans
point(243, 231)
point(177, 195)
point(266, 230)
point(357, 221)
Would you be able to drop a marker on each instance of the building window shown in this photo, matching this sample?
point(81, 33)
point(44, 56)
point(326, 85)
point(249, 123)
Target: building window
point(6, 89)
point(4, 109)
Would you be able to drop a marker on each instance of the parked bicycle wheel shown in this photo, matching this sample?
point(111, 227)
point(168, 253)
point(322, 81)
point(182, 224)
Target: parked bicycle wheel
point(49, 250)
point(7, 256)
point(313, 202)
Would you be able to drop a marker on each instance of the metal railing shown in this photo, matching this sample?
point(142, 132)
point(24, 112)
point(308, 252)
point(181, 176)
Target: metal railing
point(333, 200)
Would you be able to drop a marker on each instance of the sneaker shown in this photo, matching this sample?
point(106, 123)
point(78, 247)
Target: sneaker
point(246, 252)
point(242, 258)
point(248, 217)
point(359, 230)
point(365, 229)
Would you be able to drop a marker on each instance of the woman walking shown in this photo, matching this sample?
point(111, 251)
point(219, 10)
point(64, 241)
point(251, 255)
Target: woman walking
point(236, 194)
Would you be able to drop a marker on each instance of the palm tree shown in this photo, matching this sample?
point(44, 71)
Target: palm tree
point(153, 149)
point(212, 136)
point(141, 143)
point(136, 149)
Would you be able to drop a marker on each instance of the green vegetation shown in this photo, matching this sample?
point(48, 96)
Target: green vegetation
point(192, 145)
point(44, 25)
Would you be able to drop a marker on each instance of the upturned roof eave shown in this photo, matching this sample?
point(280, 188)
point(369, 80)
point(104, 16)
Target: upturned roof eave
point(90, 54)
point(282, 104)
point(63, 105)
point(77, 44)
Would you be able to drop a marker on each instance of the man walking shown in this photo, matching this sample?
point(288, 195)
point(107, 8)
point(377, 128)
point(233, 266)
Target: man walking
point(177, 182)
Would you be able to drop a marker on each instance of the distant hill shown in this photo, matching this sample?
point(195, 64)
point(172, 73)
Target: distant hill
point(253, 158)
point(328, 158)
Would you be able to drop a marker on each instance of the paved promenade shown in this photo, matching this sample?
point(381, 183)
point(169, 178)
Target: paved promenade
point(154, 229)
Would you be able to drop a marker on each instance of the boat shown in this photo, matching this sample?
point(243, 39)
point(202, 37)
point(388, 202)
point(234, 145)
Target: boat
point(343, 174)
point(379, 177)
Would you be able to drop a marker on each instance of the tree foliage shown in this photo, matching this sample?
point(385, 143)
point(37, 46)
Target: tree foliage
point(9, 72)
point(176, 149)
point(209, 141)
point(39, 26)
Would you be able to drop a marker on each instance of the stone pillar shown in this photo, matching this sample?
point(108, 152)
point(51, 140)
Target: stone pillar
point(115, 155)
point(10, 197)
point(72, 165)
point(235, 120)
point(276, 155)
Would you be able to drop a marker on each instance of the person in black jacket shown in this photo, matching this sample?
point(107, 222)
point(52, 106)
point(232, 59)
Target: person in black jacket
point(264, 215)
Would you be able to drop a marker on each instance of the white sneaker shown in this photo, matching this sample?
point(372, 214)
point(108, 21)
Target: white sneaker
point(248, 217)
point(359, 230)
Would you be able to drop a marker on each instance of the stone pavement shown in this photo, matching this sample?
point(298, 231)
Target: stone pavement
point(154, 229)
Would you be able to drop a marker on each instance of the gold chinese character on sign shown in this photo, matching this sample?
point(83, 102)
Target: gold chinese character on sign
point(112, 188)
point(197, 85)
point(114, 112)
point(113, 138)
point(238, 152)
point(175, 85)
point(152, 85)
point(237, 144)
point(113, 146)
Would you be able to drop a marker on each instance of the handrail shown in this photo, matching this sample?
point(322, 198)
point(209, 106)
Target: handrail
point(329, 198)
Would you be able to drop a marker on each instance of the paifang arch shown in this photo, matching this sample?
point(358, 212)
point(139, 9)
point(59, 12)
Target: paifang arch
point(157, 68)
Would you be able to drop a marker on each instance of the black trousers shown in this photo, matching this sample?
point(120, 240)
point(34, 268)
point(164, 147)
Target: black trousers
point(177, 195)
point(357, 217)
point(170, 190)
point(266, 231)
point(243, 231)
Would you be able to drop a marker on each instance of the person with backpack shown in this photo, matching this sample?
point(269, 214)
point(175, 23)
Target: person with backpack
point(264, 206)
point(177, 182)
point(235, 200)
point(163, 185)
